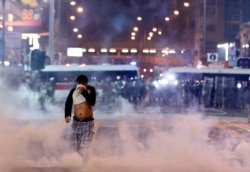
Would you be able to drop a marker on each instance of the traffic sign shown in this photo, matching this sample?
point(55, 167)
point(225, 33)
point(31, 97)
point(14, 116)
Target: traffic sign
point(212, 57)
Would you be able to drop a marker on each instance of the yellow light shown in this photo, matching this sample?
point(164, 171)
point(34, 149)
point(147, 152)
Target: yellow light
point(167, 18)
point(176, 12)
point(72, 17)
point(139, 18)
point(186, 4)
point(72, 3)
point(79, 9)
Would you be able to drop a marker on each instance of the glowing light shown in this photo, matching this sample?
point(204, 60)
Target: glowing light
point(84, 50)
point(133, 50)
point(79, 36)
point(133, 63)
point(125, 50)
point(33, 39)
point(135, 29)
point(112, 50)
point(167, 18)
point(186, 4)
point(145, 50)
point(72, 17)
point(154, 29)
point(79, 10)
point(176, 12)
point(239, 85)
point(72, 3)
point(75, 30)
point(156, 84)
point(139, 18)
point(74, 52)
point(104, 50)
point(91, 50)
point(152, 51)
point(10, 28)
point(6, 63)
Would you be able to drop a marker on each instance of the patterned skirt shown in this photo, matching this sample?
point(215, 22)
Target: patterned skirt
point(82, 133)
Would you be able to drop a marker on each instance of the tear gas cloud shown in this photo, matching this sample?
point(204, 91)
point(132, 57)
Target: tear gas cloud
point(146, 142)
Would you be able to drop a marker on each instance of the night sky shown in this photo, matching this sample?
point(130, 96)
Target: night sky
point(113, 20)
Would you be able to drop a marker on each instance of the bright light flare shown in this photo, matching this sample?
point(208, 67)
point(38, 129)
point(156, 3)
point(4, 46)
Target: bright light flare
point(176, 12)
point(72, 17)
point(79, 9)
point(79, 36)
point(72, 3)
point(167, 18)
point(75, 30)
point(156, 84)
point(170, 77)
point(239, 85)
point(186, 4)
point(135, 29)
point(139, 18)
point(133, 63)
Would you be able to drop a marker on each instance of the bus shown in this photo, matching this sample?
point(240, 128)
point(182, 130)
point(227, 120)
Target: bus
point(215, 87)
point(64, 76)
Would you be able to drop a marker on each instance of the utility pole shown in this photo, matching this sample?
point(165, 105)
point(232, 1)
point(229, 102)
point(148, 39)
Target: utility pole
point(51, 28)
point(3, 32)
point(204, 26)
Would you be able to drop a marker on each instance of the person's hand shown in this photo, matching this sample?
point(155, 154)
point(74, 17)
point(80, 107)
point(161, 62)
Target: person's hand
point(82, 87)
point(67, 119)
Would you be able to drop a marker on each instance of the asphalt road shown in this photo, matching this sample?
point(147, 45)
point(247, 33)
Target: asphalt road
point(121, 131)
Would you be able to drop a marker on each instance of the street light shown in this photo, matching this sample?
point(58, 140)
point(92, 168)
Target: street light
point(3, 31)
point(186, 4)
point(79, 9)
point(72, 3)
point(167, 18)
point(176, 12)
point(72, 17)
point(139, 18)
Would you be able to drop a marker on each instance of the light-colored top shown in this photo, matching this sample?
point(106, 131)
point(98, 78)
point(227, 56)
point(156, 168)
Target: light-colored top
point(77, 96)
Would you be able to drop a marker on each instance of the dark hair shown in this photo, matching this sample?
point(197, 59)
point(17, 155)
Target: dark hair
point(82, 78)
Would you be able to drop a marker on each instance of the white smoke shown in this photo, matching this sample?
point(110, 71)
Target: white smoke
point(125, 140)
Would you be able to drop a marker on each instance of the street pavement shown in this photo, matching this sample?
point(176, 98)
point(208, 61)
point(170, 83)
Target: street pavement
point(139, 126)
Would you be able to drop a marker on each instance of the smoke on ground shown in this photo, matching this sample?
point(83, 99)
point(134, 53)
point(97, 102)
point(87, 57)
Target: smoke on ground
point(131, 142)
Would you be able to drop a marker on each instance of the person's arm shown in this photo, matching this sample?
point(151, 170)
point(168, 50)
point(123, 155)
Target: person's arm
point(90, 95)
point(68, 106)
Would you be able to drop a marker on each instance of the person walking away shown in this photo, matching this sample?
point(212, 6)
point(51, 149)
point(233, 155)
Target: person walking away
point(81, 98)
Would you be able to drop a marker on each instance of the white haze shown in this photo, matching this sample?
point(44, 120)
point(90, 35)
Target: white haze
point(175, 143)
